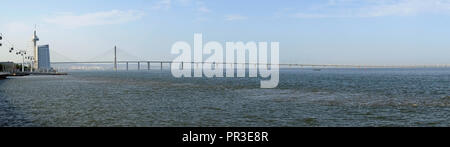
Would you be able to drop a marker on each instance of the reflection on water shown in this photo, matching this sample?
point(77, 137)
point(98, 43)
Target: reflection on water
point(331, 97)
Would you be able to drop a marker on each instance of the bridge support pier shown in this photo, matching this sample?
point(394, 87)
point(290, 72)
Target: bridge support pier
point(161, 66)
point(127, 66)
point(148, 65)
point(139, 65)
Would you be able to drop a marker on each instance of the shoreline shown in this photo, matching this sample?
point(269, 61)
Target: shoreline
point(3, 76)
point(6, 75)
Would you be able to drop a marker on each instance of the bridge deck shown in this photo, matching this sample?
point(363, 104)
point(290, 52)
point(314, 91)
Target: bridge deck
point(281, 64)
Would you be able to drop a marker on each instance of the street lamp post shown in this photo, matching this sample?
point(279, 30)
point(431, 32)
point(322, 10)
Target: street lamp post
point(31, 58)
point(22, 53)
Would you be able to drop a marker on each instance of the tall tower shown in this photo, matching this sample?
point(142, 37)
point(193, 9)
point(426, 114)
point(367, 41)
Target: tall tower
point(35, 48)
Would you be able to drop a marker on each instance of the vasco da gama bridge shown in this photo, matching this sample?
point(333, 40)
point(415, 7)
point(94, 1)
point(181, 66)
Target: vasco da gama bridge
point(147, 64)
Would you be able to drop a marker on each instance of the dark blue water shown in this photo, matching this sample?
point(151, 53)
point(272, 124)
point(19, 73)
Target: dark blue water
point(331, 97)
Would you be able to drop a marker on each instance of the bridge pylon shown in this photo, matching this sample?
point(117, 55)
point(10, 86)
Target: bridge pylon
point(115, 58)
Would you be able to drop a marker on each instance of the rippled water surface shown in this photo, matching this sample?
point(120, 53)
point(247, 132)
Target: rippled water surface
point(331, 97)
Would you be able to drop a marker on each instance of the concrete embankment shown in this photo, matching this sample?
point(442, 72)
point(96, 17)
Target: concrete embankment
point(49, 73)
point(3, 75)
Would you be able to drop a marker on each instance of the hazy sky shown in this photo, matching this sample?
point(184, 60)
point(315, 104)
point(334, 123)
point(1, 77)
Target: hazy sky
point(309, 31)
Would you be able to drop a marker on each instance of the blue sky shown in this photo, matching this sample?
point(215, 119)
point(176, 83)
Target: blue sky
point(376, 32)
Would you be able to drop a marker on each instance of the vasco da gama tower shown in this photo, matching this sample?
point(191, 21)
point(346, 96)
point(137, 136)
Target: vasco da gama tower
point(41, 57)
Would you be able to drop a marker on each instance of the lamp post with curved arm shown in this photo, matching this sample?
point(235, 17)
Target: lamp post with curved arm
point(22, 53)
point(31, 58)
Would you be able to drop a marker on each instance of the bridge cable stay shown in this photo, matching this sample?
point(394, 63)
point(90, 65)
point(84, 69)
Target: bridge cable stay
point(123, 55)
point(58, 57)
point(108, 56)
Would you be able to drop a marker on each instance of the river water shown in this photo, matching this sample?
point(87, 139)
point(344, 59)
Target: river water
point(304, 98)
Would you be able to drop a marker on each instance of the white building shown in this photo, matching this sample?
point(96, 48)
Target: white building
point(44, 57)
point(6, 67)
